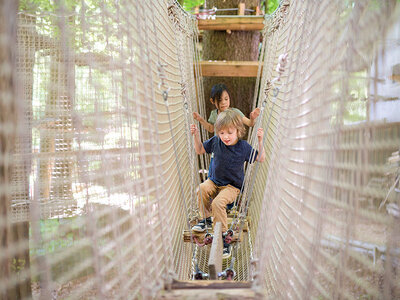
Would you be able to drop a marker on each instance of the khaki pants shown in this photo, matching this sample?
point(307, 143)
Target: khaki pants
point(222, 195)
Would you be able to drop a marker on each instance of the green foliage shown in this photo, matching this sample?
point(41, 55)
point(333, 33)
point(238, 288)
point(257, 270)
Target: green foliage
point(189, 5)
point(269, 6)
point(47, 5)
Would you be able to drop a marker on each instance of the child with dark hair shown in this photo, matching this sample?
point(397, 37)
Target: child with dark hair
point(221, 99)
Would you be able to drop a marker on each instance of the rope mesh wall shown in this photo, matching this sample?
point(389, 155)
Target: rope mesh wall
point(95, 177)
point(321, 233)
point(104, 172)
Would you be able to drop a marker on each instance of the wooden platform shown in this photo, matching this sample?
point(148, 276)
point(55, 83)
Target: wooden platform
point(229, 68)
point(245, 23)
point(208, 289)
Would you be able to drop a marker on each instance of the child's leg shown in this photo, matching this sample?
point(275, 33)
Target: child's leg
point(226, 195)
point(207, 190)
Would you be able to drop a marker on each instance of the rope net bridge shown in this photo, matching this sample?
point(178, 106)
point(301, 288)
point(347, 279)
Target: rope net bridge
point(99, 174)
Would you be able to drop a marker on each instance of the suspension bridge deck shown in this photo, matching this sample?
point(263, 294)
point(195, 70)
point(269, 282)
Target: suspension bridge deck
point(210, 289)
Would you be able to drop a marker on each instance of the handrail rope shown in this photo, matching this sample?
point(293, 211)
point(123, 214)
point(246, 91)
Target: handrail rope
point(180, 46)
point(204, 134)
point(203, 163)
point(194, 74)
point(267, 85)
point(191, 156)
point(241, 214)
point(165, 96)
point(199, 87)
point(260, 62)
point(252, 154)
point(280, 69)
point(258, 121)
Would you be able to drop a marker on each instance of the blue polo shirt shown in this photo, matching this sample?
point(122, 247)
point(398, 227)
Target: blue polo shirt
point(228, 163)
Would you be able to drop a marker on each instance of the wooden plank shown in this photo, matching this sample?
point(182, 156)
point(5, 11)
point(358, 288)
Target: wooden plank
point(237, 294)
point(210, 284)
point(229, 68)
point(215, 258)
point(244, 23)
point(209, 289)
point(208, 294)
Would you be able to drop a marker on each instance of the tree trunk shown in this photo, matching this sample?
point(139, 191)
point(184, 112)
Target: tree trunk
point(237, 45)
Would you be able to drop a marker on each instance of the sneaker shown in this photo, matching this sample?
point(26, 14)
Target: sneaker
point(227, 251)
point(201, 226)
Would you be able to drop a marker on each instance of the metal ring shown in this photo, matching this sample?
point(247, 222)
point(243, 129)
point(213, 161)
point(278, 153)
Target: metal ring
point(185, 105)
point(165, 95)
point(264, 104)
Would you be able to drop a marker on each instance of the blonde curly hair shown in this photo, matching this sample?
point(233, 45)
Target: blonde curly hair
point(230, 118)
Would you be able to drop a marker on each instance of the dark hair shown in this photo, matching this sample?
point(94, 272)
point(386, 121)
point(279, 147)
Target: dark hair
point(217, 90)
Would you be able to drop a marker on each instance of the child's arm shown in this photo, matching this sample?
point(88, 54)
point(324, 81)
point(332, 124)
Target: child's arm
point(253, 116)
point(198, 146)
point(208, 126)
point(261, 152)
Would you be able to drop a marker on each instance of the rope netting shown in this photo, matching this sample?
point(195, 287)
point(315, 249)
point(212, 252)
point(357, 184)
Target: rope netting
point(99, 181)
point(103, 176)
point(321, 232)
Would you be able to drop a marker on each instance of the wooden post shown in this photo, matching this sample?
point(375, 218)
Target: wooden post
point(215, 259)
point(242, 8)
